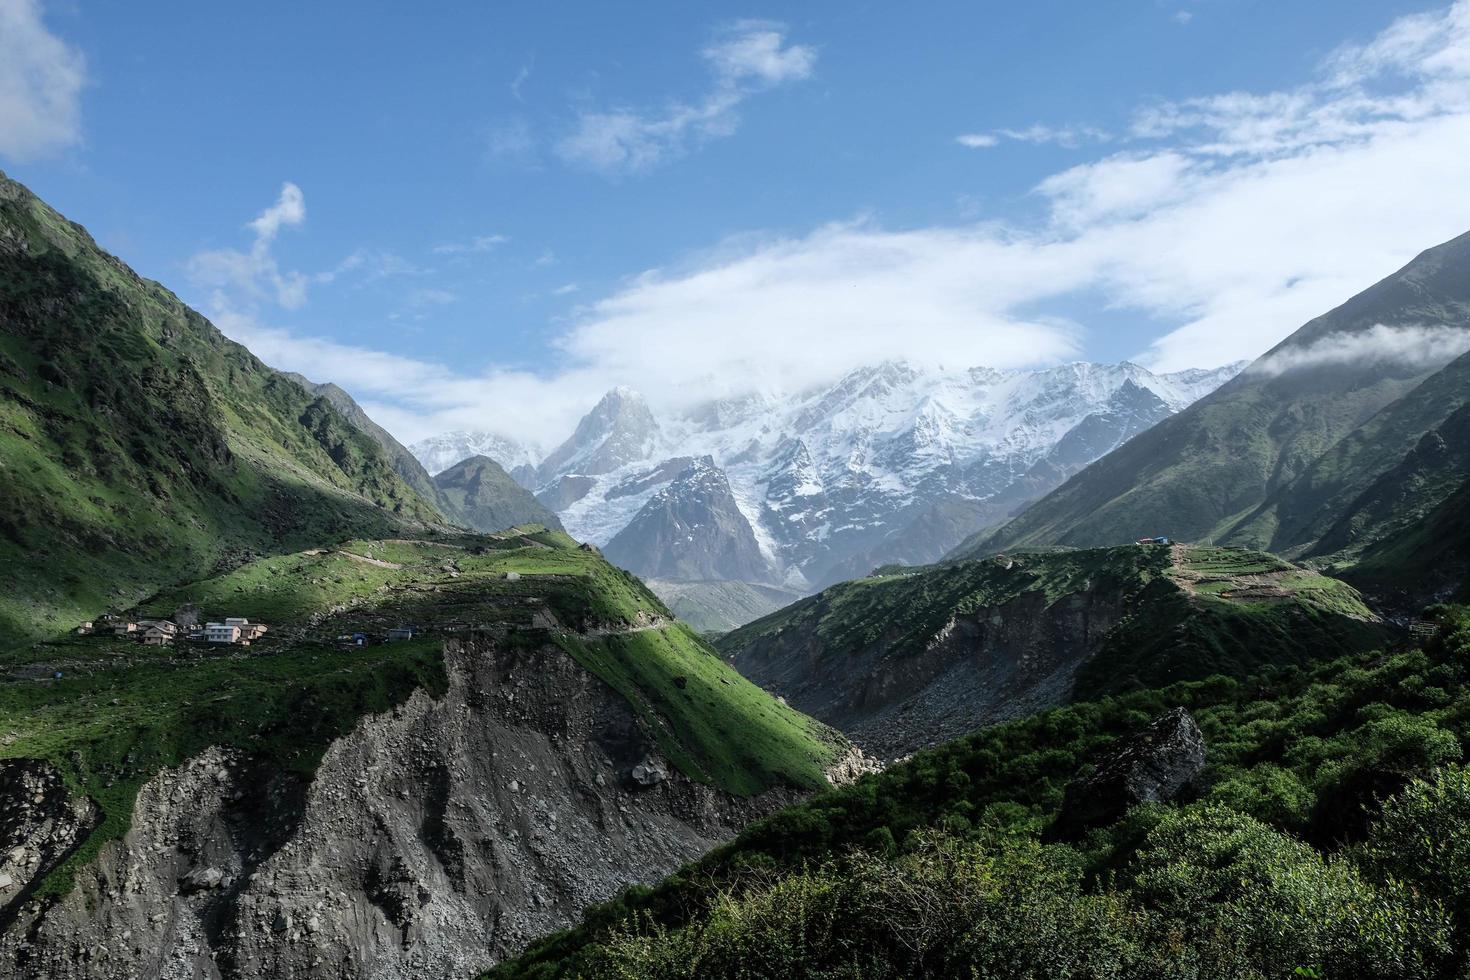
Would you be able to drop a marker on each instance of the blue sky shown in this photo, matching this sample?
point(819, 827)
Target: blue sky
point(482, 215)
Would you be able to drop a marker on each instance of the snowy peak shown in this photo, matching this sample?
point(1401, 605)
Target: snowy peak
point(619, 430)
point(892, 462)
point(439, 453)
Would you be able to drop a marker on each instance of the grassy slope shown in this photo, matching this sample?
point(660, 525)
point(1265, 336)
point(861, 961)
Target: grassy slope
point(121, 712)
point(487, 499)
point(1226, 611)
point(1355, 480)
point(140, 447)
point(1308, 752)
point(1203, 474)
point(1430, 558)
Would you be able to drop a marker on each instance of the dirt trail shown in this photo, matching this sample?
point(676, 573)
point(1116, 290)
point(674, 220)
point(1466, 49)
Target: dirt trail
point(370, 561)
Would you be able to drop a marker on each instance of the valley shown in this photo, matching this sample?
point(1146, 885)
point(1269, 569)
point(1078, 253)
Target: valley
point(1084, 669)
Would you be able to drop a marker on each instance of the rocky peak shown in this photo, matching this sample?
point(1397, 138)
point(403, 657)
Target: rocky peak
point(619, 430)
point(691, 530)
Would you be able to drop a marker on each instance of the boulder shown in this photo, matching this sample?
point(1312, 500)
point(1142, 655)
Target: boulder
point(649, 772)
point(1153, 765)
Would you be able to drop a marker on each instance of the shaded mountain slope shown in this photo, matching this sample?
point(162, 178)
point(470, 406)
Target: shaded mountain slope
point(905, 660)
point(141, 447)
point(405, 463)
point(1207, 473)
point(480, 493)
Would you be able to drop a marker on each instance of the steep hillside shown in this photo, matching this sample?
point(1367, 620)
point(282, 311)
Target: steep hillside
point(1425, 561)
point(1323, 511)
point(1237, 466)
point(549, 737)
point(1323, 831)
point(480, 493)
point(140, 447)
point(908, 659)
point(405, 464)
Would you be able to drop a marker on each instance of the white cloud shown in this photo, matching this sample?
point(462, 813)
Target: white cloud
point(1068, 137)
point(977, 141)
point(479, 243)
point(1234, 217)
point(747, 58)
point(41, 79)
point(256, 274)
point(1414, 346)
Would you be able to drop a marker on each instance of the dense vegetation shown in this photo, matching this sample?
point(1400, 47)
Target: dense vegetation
point(142, 448)
point(1281, 860)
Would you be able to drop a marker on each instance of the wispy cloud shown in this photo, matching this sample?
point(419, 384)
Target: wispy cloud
point(1415, 346)
point(41, 80)
point(1069, 137)
point(255, 273)
point(479, 243)
point(747, 58)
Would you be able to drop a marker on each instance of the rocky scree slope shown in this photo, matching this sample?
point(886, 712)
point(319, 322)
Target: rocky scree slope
point(1274, 456)
point(893, 462)
point(315, 811)
point(141, 447)
point(908, 659)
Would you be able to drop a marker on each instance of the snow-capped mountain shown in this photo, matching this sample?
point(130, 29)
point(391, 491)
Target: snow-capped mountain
point(439, 453)
point(890, 463)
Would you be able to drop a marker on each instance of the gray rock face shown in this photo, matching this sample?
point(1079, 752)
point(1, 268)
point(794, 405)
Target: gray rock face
point(434, 840)
point(691, 530)
point(39, 826)
point(1152, 766)
point(997, 663)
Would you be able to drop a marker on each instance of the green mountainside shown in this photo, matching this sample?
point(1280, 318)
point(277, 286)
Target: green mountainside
point(903, 660)
point(119, 712)
point(1254, 463)
point(1428, 559)
point(1385, 473)
point(480, 493)
point(1328, 835)
point(404, 463)
point(139, 447)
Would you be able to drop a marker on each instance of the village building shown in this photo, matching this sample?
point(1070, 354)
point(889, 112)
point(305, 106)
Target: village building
point(158, 634)
point(221, 633)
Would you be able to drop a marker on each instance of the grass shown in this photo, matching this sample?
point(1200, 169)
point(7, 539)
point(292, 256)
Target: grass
point(141, 448)
point(711, 722)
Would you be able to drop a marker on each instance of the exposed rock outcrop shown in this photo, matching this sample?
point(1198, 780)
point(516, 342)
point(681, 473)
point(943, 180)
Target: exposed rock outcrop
point(1149, 767)
point(40, 824)
point(432, 841)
